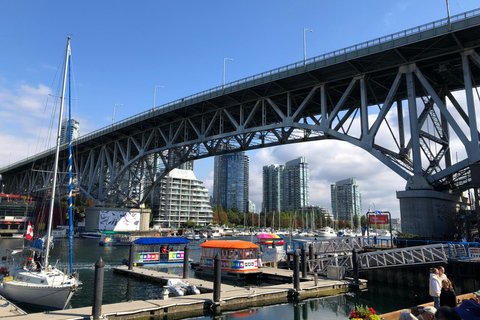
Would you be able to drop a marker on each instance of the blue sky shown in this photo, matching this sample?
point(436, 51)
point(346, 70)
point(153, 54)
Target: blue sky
point(121, 50)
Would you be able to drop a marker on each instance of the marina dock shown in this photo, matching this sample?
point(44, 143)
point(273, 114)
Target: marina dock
point(232, 297)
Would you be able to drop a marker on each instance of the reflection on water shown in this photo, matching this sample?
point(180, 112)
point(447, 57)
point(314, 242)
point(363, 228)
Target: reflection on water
point(335, 307)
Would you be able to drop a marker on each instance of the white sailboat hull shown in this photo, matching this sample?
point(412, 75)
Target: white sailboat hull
point(50, 289)
point(50, 297)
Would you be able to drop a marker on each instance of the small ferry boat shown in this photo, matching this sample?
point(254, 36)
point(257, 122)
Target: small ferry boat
point(239, 258)
point(159, 250)
point(115, 238)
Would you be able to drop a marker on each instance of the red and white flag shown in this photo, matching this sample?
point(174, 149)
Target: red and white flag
point(29, 232)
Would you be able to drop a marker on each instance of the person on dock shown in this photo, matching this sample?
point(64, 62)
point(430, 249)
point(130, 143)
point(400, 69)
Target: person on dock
point(447, 313)
point(435, 287)
point(427, 313)
point(441, 273)
point(447, 295)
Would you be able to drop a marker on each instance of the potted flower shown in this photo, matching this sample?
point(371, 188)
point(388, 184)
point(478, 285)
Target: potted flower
point(364, 313)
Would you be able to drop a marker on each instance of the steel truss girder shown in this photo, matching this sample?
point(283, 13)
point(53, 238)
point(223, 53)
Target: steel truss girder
point(125, 169)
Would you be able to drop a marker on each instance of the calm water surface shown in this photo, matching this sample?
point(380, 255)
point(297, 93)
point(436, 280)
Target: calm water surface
point(118, 288)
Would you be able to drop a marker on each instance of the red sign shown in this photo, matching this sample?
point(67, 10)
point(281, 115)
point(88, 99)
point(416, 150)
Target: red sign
point(378, 218)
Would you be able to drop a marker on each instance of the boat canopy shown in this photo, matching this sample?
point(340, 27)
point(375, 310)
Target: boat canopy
point(115, 232)
point(162, 240)
point(270, 236)
point(228, 244)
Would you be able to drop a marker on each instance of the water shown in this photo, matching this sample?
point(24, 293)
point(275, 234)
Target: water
point(119, 288)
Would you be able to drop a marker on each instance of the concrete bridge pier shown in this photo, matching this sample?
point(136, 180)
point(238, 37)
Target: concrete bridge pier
point(429, 213)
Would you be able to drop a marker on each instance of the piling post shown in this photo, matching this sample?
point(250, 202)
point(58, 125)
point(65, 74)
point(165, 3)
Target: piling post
point(355, 266)
point(186, 253)
point(130, 257)
point(304, 262)
point(98, 289)
point(296, 271)
point(310, 252)
point(217, 275)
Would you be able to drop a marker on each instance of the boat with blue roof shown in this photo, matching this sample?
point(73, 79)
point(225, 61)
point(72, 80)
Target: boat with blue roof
point(159, 250)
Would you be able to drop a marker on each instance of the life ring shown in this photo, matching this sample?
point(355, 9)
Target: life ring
point(28, 261)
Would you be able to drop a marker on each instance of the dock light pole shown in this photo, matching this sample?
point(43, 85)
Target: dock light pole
point(154, 93)
point(113, 117)
point(223, 83)
point(305, 47)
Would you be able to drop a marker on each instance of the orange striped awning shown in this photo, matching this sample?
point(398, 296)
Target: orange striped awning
point(228, 244)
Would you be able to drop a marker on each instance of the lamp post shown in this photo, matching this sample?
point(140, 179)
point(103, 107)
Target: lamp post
point(223, 83)
point(374, 212)
point(305, 47)
point(154, 93)
point(448, 13)
point(113, 118)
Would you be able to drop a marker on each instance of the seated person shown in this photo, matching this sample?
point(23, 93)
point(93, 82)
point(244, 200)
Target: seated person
point(469, 309)
point(446, 313)
point(406, 315)
point(427, 313)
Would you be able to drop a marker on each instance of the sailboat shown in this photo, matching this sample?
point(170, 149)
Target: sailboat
point(27, 276)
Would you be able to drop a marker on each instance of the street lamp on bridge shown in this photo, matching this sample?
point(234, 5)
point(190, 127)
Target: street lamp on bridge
point(223, 83)
point(116, 104)
point(305, 47)
point(154, 93)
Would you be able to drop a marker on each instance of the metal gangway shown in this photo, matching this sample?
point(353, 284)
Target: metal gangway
point(434, 253)
point(327, 246)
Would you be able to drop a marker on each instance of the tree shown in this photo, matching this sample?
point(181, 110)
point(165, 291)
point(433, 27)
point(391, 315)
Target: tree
point(223, 219)
point(356, 221)
point(215, 218)
point(363, 221)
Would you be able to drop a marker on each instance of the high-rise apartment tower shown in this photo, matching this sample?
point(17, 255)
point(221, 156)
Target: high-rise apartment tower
point(346, 199)
point(230, 181)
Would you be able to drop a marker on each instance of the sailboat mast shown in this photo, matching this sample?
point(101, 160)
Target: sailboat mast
point(70, 205)
point(57, 152)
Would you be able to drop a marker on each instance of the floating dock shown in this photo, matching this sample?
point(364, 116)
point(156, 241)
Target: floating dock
point(8, 309)
point(232, 297)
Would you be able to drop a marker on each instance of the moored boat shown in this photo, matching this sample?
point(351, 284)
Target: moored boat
point(326, 232)
point(159, 250)
point(181, 288)
point(238, 258)
point(115, 238)
point(27, 277)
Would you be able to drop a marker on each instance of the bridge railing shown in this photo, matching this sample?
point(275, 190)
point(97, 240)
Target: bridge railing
point(294, 68)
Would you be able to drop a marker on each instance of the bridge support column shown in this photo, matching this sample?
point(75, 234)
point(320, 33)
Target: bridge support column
point(429, 213)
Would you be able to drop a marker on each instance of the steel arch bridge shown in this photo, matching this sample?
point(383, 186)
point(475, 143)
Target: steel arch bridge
point(387, 96)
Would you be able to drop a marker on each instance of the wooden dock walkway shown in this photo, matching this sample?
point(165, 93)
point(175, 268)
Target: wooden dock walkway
point(8, 309)
point(232, 297)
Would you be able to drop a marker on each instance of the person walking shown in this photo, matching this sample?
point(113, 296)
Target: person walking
point(435, 287)
point(447, 295)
